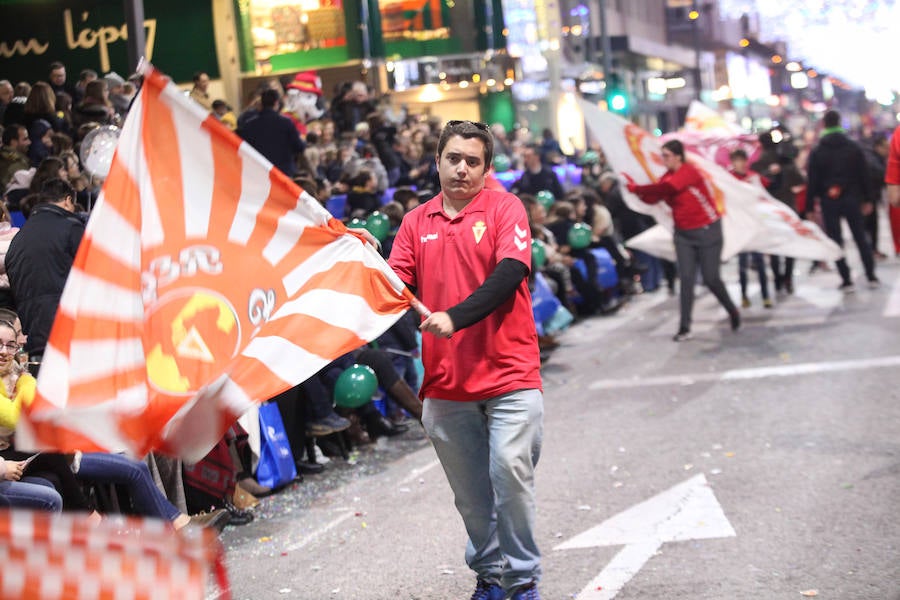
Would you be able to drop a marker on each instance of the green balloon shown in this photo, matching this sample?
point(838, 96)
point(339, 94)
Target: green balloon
point(579, 236)
point(355, 386)
point(501, 163)
point(546, 199)
point(378, 225)
point(357, 223)
point(538, 254)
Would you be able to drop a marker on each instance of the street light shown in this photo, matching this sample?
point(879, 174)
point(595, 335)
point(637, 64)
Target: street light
point(694, 16)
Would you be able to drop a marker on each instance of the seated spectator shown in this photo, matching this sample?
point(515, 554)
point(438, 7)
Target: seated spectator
point(40, 133)
point(394, 212)
point(32, 493)
point(363, 198)
point(17, 391)
point(558, 268)
point(146, 499)
point(95, 107)
point(15, 110)
point(13, 153)
point(224, 114)
point(41, 105)
point(7, 233)
point(537, 176)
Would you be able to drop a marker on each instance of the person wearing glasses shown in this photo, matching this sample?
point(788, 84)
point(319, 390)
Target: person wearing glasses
point(466, 253)
point(698, 231)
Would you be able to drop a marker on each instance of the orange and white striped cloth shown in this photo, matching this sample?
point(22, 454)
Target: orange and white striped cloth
point(51, 556)
point(206, 282)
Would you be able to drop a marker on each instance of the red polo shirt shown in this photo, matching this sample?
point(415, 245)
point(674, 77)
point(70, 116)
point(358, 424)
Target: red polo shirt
point(446, 260)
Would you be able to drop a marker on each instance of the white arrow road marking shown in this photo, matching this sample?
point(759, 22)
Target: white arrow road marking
point(687, 511)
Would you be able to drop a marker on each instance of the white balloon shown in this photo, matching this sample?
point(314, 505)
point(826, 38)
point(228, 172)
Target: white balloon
point(97, 149)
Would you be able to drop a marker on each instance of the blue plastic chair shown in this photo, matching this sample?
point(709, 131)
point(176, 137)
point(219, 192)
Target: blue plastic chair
point(337, 206)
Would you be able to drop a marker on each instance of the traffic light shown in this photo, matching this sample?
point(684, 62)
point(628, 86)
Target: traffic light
point(616, 96)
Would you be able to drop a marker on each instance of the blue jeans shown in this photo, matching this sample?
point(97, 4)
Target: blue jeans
point(488, 450)
point(134, 475)
point(31, 492)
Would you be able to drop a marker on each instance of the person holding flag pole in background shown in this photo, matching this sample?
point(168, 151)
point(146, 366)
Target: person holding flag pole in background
point(698, 231)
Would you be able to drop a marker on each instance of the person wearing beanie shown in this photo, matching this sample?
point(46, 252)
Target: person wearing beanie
point(116, 86)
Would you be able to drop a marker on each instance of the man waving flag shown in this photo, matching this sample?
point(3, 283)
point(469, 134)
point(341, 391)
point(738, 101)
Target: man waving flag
point(206, 282)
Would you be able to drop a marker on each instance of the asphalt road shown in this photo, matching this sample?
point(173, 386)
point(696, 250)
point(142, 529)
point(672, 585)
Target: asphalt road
point(786, 436)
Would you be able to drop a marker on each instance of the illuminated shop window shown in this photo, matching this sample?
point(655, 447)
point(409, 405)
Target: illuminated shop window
point(282, 29)
point(417, 27)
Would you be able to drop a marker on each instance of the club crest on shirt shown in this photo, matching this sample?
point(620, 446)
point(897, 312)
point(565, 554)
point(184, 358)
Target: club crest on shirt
point(478, 230)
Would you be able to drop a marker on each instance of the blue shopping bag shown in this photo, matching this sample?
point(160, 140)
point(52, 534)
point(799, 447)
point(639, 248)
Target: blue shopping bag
point(276, 466)
point(543, 302)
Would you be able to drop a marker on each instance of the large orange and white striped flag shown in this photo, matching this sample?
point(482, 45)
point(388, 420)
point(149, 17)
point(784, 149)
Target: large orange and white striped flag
point(206, 282)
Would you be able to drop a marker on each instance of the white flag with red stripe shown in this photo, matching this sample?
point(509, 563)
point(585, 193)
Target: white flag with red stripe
point(752, 219)
point(206, 282)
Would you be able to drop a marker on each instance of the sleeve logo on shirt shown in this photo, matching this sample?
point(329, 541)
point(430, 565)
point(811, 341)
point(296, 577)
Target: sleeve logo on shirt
point(478, 230)
point(521, 238)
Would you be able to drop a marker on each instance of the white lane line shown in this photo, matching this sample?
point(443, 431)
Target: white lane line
point(319, 532)
point(892, 307)
point(754, 373)
point(418, 472)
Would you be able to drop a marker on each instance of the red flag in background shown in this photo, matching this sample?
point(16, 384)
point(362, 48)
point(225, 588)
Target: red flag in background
point(206, 281)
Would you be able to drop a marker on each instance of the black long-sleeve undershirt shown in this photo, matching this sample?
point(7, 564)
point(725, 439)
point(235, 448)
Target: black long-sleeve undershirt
point(496, 289)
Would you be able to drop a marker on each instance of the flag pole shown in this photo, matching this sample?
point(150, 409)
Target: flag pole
point(416, 303)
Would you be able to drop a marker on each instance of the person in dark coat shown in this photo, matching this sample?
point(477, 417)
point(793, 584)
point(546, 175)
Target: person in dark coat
point(537, 176)
point(273, 134)
point(782, 177)
point(39, 260)
point(839, 181)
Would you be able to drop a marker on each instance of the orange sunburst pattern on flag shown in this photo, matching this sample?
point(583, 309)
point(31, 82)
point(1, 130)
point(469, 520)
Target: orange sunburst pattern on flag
point(206, 281)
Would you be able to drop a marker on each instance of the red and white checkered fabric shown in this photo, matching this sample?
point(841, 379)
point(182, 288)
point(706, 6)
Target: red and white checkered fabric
point(46, 556)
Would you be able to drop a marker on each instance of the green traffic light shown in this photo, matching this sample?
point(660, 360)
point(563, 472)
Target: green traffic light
point(618, 102)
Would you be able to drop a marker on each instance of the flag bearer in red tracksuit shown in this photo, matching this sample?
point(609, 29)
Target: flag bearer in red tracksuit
point(698, 231)
point(467, 253)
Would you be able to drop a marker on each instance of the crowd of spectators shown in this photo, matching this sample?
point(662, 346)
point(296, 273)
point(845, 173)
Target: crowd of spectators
point(360, 156)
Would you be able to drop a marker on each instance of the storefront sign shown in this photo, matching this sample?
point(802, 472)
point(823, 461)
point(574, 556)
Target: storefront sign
point(92, 34)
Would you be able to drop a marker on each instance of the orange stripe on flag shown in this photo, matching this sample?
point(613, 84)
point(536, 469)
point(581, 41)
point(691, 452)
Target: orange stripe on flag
point(90, 328)
point(319, 337)
point(106, 267)
point(121, 192)
point(102, 389)
point(159, 136)
point(227, 181)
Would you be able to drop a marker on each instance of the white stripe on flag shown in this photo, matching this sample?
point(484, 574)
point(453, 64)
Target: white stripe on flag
point(127, 354)
point(98, 298)
point(289, 229)
point(195, 153)
point(333, 308)
point(108, 219)
point(152, 233)
point(255, 189)
point(55, 389)
point(282, 357)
